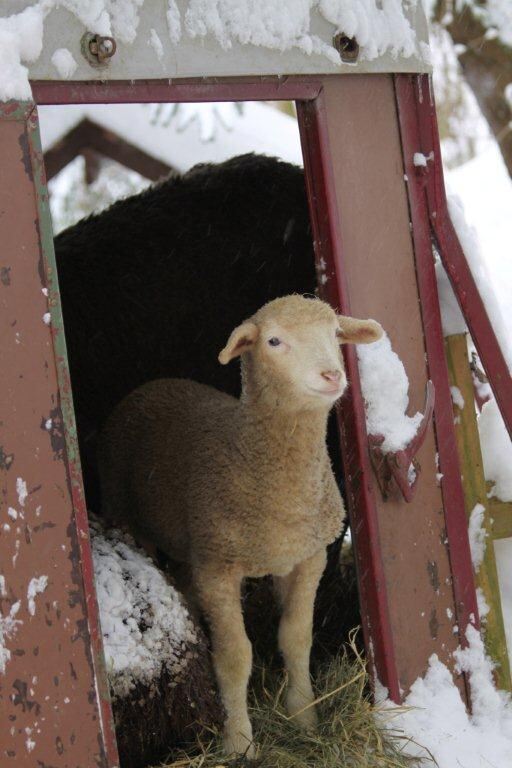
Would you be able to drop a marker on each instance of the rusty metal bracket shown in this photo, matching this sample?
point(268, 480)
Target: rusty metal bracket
point(402, 468)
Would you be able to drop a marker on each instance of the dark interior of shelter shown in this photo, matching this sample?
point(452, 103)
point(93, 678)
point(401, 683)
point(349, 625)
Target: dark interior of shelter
point(151, 288)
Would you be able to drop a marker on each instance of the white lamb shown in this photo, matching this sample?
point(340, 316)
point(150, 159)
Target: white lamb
point(239, 488)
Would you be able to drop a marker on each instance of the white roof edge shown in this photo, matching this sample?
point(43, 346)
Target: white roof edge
point(396, 42)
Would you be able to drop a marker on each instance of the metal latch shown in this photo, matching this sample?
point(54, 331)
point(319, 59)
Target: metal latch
point(402, 468)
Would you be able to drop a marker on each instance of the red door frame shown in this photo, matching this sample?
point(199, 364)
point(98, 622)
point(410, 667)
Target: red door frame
point(307, 92)
point(409, 111)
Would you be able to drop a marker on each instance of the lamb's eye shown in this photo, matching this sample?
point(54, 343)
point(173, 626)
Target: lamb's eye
point(274, 341)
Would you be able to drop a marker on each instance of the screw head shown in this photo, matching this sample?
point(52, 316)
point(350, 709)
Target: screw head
point(347, 47)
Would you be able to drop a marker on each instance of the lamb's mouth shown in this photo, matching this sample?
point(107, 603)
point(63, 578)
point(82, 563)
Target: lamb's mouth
point(327, 392)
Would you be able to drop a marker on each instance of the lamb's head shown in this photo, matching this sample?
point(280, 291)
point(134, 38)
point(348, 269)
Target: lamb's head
point(291, 352)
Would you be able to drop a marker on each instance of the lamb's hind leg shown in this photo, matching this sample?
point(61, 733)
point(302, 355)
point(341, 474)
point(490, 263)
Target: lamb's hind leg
point(218, 592)
point(297, 593)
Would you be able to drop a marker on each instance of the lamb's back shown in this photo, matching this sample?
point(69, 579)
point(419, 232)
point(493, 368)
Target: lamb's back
point(162, 452)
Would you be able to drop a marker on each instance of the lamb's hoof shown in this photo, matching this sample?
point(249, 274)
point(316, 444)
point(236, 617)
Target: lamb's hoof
point(302, 711)
point(238, 741)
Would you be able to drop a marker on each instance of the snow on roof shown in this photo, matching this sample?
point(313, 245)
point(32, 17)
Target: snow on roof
point(182, 137)
point(183, 38)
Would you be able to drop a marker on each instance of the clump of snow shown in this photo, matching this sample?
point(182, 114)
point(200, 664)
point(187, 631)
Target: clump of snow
point(420, 160)
point(173, 21)
point(8, 625)
point(21, 490)
point(36, 586)
point(496, 450)
point(457, 397)
point(144, 623)
point(47, 318)
point(482, 388)
point(21, 40)
point(64, 62)
point(470, 245)
point(435, 721)
point(451, 317)
point(483, 608)
point(477, 535)
point(155, 42)
point(385, 388)
point(503, 553)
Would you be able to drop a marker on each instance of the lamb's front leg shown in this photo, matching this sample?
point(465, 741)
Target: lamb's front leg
point(218, 591)
point(297, 592)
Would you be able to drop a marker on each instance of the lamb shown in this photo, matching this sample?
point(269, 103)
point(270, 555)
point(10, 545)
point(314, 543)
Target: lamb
point(242, 488)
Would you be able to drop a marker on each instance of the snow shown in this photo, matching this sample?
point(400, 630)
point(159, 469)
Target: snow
point(64, 63)
point(155, 42)
point(457, 397)
point(380, 27)
point(483, 608)
point(385, 389)
point(36, 586)
point(436, 723)
point(496, 450)
point(420, 160)
point(145, 626)
point(47, 318)
point(477, 535)
point(451, 316)
point(503, 554)
point(21, 490)
point(497, 16)
point(21, 40)
point(469, 242)
point(8, 627)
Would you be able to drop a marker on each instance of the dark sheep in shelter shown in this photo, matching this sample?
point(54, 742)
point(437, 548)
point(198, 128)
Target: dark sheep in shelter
point(153, 286)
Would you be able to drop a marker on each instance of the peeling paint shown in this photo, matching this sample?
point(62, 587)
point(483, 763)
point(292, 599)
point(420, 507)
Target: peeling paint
point(25, 155)
point(5, 276)
point(433, 574)
point(6, 459)
point(433, 624)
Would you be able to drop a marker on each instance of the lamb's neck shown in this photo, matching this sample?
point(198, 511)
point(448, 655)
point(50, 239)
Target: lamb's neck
point(302, 432)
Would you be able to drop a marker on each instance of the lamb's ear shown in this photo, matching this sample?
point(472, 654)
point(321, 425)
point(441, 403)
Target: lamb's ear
point(354, 331)
point(241, 340)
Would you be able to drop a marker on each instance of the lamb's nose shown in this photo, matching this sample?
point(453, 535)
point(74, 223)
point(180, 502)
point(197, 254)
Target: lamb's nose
point(333, 376)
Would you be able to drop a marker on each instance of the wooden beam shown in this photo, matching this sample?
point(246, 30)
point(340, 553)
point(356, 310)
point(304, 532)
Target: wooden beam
point(475, 492)
point(501, 519)
point(87, 135)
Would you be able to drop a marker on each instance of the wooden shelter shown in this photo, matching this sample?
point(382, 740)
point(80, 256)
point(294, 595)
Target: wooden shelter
point(374, 214)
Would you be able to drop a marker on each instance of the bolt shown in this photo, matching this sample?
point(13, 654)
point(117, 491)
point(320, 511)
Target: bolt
point(98, 49)
point(347, 47)
point(102, 47)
